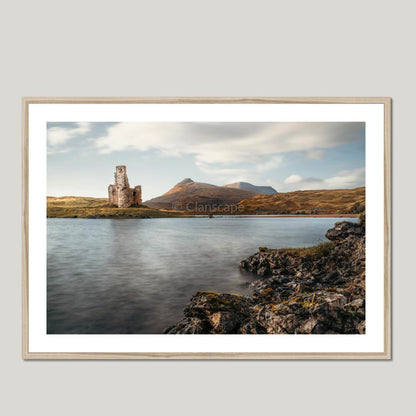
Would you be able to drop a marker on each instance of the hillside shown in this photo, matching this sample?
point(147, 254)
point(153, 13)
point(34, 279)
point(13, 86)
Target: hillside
point(187, 194)
point(319, 202)
point(249, 187)
point(84, 207)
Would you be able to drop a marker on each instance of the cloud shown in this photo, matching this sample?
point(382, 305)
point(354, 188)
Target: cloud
point(293, 179)
point(270, 163)
point(56, 152)
point(231, 151)
point(230, 142)
point(229, 175)
point(220, 171)
point(58, 136)
point(346, 179)
point(315, 155)
point(250, 172)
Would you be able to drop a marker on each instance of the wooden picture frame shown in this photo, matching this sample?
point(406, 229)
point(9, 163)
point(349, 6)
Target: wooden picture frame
point(29, 322)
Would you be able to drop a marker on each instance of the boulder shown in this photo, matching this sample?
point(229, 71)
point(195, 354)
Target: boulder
point(344, 229)
point(214, 313)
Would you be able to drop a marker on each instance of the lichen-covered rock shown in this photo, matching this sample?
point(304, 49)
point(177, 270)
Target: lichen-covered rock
point(344, 229)
point(213, 313)
point(315, 290)
point(188, 326)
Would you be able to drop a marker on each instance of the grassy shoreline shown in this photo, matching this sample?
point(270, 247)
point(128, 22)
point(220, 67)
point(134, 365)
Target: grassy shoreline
point(285, 215)
point(79, 207)
point(98, 208)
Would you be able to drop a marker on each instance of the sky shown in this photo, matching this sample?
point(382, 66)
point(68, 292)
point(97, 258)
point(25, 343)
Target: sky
point(288, 156)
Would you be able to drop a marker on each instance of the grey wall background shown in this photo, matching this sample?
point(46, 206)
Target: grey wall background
point(212, 48)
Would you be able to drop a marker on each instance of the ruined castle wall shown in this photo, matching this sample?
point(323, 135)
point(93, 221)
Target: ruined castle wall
point(120, 177)
point(112, 193)
point(120, 193)
point(124, 197)
point(137, 195)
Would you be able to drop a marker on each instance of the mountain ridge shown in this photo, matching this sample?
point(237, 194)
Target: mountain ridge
point(188, 192)
point(200, 197)
point(250, 187)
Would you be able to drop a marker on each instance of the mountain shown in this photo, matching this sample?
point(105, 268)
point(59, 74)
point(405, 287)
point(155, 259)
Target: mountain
point(199, 197)
point(188, 195)
point(324, 202)
point(249, 187)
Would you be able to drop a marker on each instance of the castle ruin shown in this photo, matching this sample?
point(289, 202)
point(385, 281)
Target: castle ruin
point(120, 194)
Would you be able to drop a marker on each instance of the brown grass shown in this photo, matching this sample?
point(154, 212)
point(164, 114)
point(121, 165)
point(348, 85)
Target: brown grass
point(314, 252)
point(84, 207)
point(320, 202)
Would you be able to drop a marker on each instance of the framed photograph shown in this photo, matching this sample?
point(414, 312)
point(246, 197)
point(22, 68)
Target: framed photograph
point(206, 228)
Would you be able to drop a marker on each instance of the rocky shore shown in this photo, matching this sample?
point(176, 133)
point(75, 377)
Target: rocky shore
point(313, 290)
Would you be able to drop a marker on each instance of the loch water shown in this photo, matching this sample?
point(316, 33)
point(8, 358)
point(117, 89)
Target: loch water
point(135, 276)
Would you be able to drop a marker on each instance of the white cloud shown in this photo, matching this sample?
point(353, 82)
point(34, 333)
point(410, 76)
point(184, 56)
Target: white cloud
point(346, 179)
point(293, 179)
point(315, 155)
point(251, 172)
point(270, 163)
point(56, 152)
point(220, 171)
point(228, 175)
point(58, 136)
point(232, 142)
point(230, 151)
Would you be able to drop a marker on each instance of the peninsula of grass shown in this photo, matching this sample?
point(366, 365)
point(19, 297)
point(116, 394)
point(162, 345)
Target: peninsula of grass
point(84, 207)
point(313, 252)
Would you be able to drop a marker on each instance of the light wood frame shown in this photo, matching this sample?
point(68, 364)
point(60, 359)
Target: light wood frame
point(386, 354)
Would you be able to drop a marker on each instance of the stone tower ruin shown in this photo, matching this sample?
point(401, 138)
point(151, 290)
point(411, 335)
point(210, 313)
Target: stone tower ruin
point(120, 194)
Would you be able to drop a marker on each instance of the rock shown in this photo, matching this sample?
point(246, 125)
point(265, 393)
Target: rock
point(223, 322)
point(344, 229)
point(252, 326)
point(331, 277)
point(263, 271)
point(361, 327)
point(213, 312)
point(357, 303)
point(320, 290)
point(277, 323)
point(188, 326)
point(308, 326)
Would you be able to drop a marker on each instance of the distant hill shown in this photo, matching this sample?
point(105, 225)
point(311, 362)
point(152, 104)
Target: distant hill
point(199, 197)
point(185, 194)
point(249, 187)
point(323, 202)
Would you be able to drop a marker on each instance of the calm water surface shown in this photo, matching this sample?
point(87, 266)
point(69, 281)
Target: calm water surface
point(136, 275)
